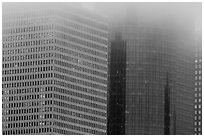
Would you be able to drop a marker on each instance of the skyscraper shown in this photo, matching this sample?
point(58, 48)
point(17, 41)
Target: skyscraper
point(54, 76)
point(198, 83)
point(156, 48)
point(116, 100)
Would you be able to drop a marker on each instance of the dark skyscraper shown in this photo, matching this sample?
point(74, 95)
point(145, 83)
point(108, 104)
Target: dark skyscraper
point(54, 70)
point(156, 45)
point(116, 109)
point(167, 108)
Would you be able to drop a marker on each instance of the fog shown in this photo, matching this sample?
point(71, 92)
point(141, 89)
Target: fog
point(183, 17)
point(183, 14)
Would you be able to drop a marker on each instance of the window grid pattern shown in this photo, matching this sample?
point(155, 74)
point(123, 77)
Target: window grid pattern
point(54, 76)
point(198, 89)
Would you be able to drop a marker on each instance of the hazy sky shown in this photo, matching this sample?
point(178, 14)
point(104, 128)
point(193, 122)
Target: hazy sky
point(184, 14)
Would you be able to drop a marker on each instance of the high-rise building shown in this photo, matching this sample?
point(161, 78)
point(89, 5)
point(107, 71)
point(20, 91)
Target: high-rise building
point(159, 74)
point(54, 76)
point(116, 94)
point(198, 84)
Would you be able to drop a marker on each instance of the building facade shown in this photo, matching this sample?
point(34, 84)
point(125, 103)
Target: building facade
point(54, 76)
point(116, 98)
point(149, 59)
point(154, 52)
point(198, 85)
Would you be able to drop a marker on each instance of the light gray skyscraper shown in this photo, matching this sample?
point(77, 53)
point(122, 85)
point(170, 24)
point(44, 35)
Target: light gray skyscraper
point(54, 70)
point(198, 83)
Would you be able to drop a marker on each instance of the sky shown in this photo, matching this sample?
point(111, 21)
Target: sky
point(186, 15)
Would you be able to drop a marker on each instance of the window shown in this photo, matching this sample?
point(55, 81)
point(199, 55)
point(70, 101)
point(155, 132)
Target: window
point(195, 95)
point(196, 72)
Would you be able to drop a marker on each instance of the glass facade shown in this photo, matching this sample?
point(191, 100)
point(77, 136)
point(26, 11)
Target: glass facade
point(152, 52)
point(54, 75)
point(116, 101)
point(149, 57)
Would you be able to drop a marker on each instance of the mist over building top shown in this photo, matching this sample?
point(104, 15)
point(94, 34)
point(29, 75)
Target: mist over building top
point(181, 17)
point(69, 7)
